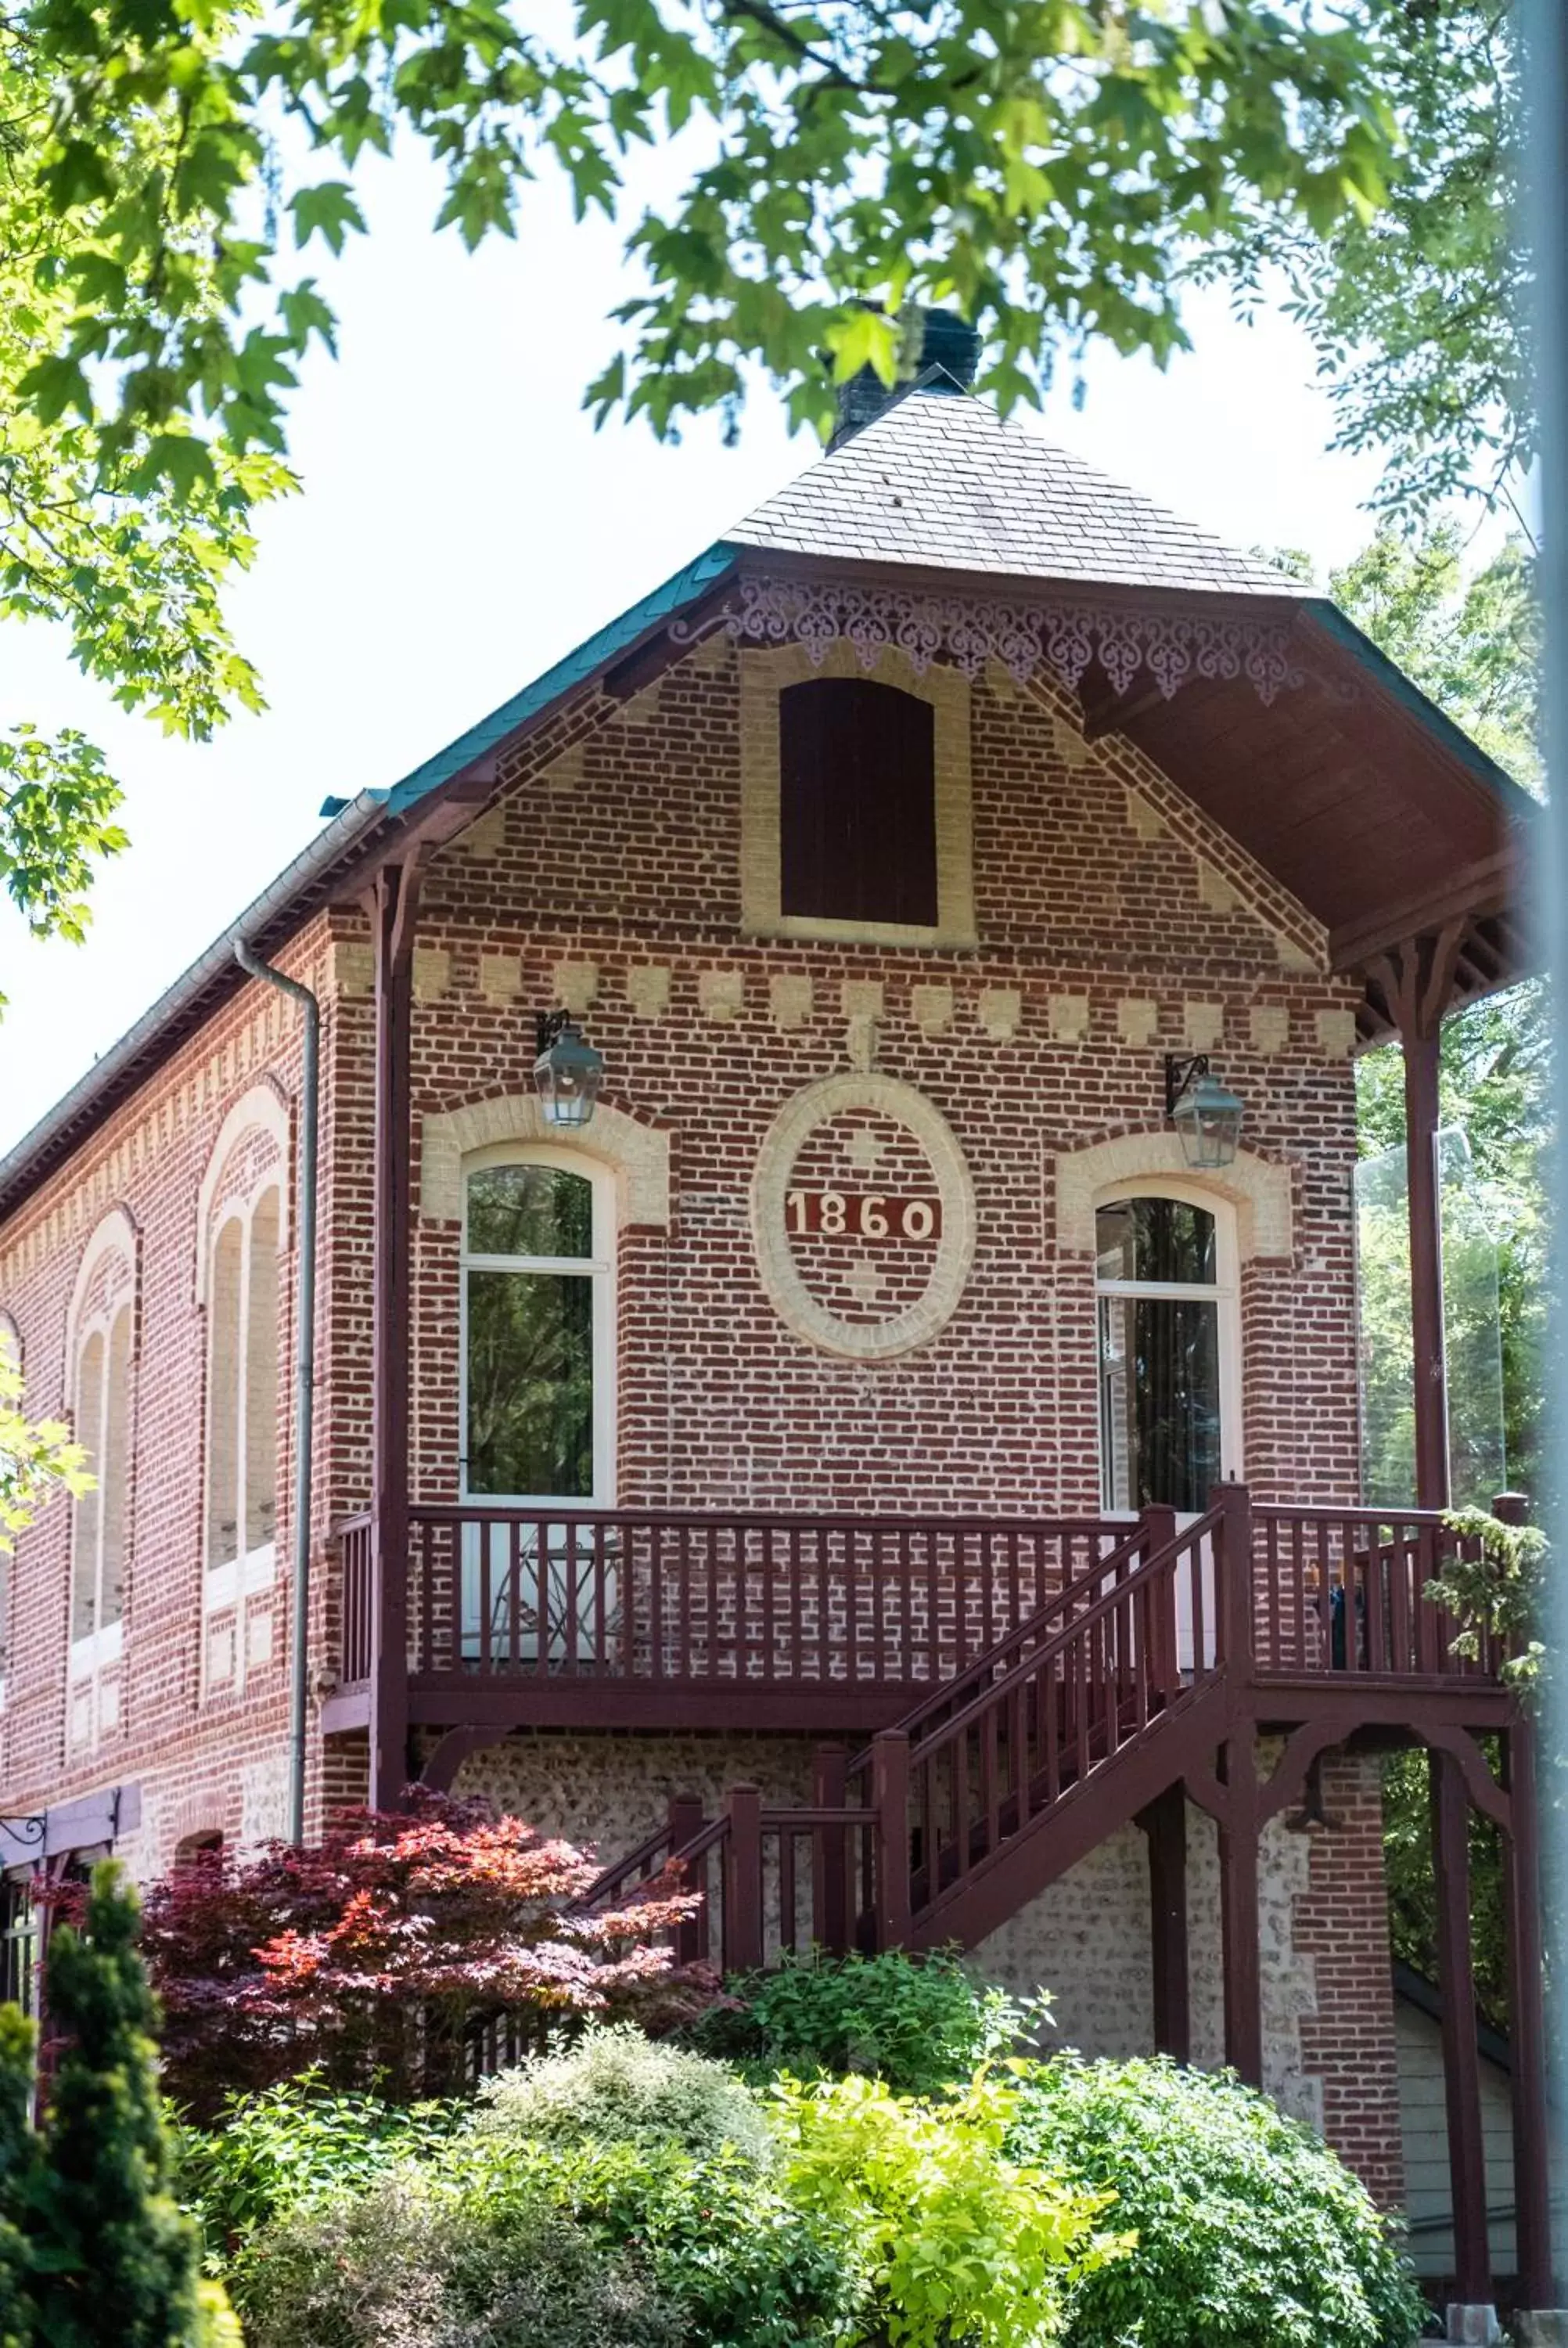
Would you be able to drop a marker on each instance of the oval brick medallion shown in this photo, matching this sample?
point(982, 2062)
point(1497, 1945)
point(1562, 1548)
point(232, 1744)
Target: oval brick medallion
point(863, 1216)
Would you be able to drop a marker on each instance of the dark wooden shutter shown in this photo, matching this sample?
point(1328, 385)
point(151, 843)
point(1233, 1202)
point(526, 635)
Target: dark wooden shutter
point(858, 803)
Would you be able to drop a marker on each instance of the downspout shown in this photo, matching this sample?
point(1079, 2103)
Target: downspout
point(304, 1365)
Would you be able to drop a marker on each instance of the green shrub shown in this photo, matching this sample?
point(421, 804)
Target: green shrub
point(919, 2023)
point(616, 2086)
point(406, 2265)
point(950, 2240)
point(1250, 2233)
point(290, 2146)
point(494, 2243)
point(723, 2242)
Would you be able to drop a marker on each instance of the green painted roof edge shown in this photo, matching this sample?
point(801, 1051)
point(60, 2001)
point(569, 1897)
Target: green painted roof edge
point(686, 587)
point(1405, 691)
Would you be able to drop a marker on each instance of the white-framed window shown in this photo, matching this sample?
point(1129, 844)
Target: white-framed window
point(100, 1344)
point(538, 1326)
point(1167, 1309)
point(242, 1210)
point(538, 1394)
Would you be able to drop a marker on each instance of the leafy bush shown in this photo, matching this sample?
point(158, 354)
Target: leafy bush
point(373, 1952)
point(724, 2243)
point(919, 2023)
point(403, 2265)
point(1250, 2233)
point(617, 2086)
point(950, 2240)
point(290, 2146)
point(694, 2247)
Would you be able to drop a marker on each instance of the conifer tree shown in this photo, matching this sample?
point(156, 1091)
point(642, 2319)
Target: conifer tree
point(18, 2176)
point(115, 2260)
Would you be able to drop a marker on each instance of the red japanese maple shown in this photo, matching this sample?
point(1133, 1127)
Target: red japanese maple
point(378, 1953)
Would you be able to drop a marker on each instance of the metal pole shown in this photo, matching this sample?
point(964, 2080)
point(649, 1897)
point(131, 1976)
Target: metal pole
point(304, 1365)
point(1545, 26)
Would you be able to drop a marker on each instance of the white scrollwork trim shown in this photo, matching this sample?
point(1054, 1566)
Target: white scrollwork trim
point(970, 630)
point(874, 1340)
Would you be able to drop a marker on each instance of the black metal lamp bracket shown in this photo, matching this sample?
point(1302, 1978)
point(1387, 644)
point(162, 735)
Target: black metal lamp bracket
point(1179, 1075)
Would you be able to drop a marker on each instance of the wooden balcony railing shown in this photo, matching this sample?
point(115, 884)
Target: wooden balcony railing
point(695, 1600)
point(1344, 1591)
point(700, 1598)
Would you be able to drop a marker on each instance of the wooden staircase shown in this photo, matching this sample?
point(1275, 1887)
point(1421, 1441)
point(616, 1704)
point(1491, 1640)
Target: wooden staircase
point(993, 1783)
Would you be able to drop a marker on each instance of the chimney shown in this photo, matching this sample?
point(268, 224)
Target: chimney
point(950, 357)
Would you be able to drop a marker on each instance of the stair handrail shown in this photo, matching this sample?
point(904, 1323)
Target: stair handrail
point(610, 1879)
point(1142, 1576)
point(942, 1692)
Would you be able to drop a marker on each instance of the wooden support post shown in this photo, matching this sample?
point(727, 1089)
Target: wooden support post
point(684, 1818)
point(1165, 1823)
point(1461, 2059)
point(890, 1801)
point(1421, 1052)
point(829, 1854)
point(1238, 1905)
point(744, 1881)
point(1527, 2027)
point(1234, 1598)
point(1157, 1524)
point(396, 892)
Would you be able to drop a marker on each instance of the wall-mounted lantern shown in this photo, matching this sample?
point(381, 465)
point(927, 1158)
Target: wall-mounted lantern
point(1204, 1114)
point(567, 1073)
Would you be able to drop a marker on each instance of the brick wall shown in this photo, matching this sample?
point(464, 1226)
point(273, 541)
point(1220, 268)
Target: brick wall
point(1113, 925)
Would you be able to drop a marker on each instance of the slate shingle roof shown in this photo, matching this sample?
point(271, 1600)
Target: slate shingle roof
point(940, 481)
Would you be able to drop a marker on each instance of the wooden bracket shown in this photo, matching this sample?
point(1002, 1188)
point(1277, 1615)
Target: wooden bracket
point(1482, 1787)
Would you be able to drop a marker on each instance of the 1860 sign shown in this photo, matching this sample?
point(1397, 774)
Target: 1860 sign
point(861, 1215)
point(797, 1198)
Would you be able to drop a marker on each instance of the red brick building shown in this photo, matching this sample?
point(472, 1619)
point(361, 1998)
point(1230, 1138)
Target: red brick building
point(873, 1370)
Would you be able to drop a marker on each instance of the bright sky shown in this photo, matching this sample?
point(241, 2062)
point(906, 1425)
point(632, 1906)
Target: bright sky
point(463, 526)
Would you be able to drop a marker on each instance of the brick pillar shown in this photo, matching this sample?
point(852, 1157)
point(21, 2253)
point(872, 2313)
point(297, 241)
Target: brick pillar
point(1341, 1924)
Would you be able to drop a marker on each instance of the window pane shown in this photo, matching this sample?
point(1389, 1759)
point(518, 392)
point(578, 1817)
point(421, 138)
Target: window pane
point(1156, 1239)
point(1159, 1401)
point(529, 1211)
point(89, 1432)
point(224, 1397)
point(115, 1470)
point(531, 1384)
point(261, 1378)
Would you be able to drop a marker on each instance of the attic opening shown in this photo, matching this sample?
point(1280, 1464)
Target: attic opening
point(858, 803)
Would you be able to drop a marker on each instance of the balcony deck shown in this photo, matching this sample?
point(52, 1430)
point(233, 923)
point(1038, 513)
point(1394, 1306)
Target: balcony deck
point(837, 1624)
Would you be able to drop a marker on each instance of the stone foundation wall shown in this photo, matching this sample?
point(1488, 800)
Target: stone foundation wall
point(1328, 2025)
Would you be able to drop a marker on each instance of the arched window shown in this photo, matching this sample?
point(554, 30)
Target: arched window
point(1170, 1404)
point(242, 1205)
point(858, 803)
point(538, 1334)
point(242, 1386)
point(101, 1342)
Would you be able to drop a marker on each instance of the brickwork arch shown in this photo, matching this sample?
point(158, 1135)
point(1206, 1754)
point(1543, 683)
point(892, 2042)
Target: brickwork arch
point(263, 1113)
point(108, 1265)
point(639, 1154)
point(1258, 1188)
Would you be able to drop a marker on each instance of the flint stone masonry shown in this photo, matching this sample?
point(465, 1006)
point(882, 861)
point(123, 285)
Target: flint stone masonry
point(612, 1793)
